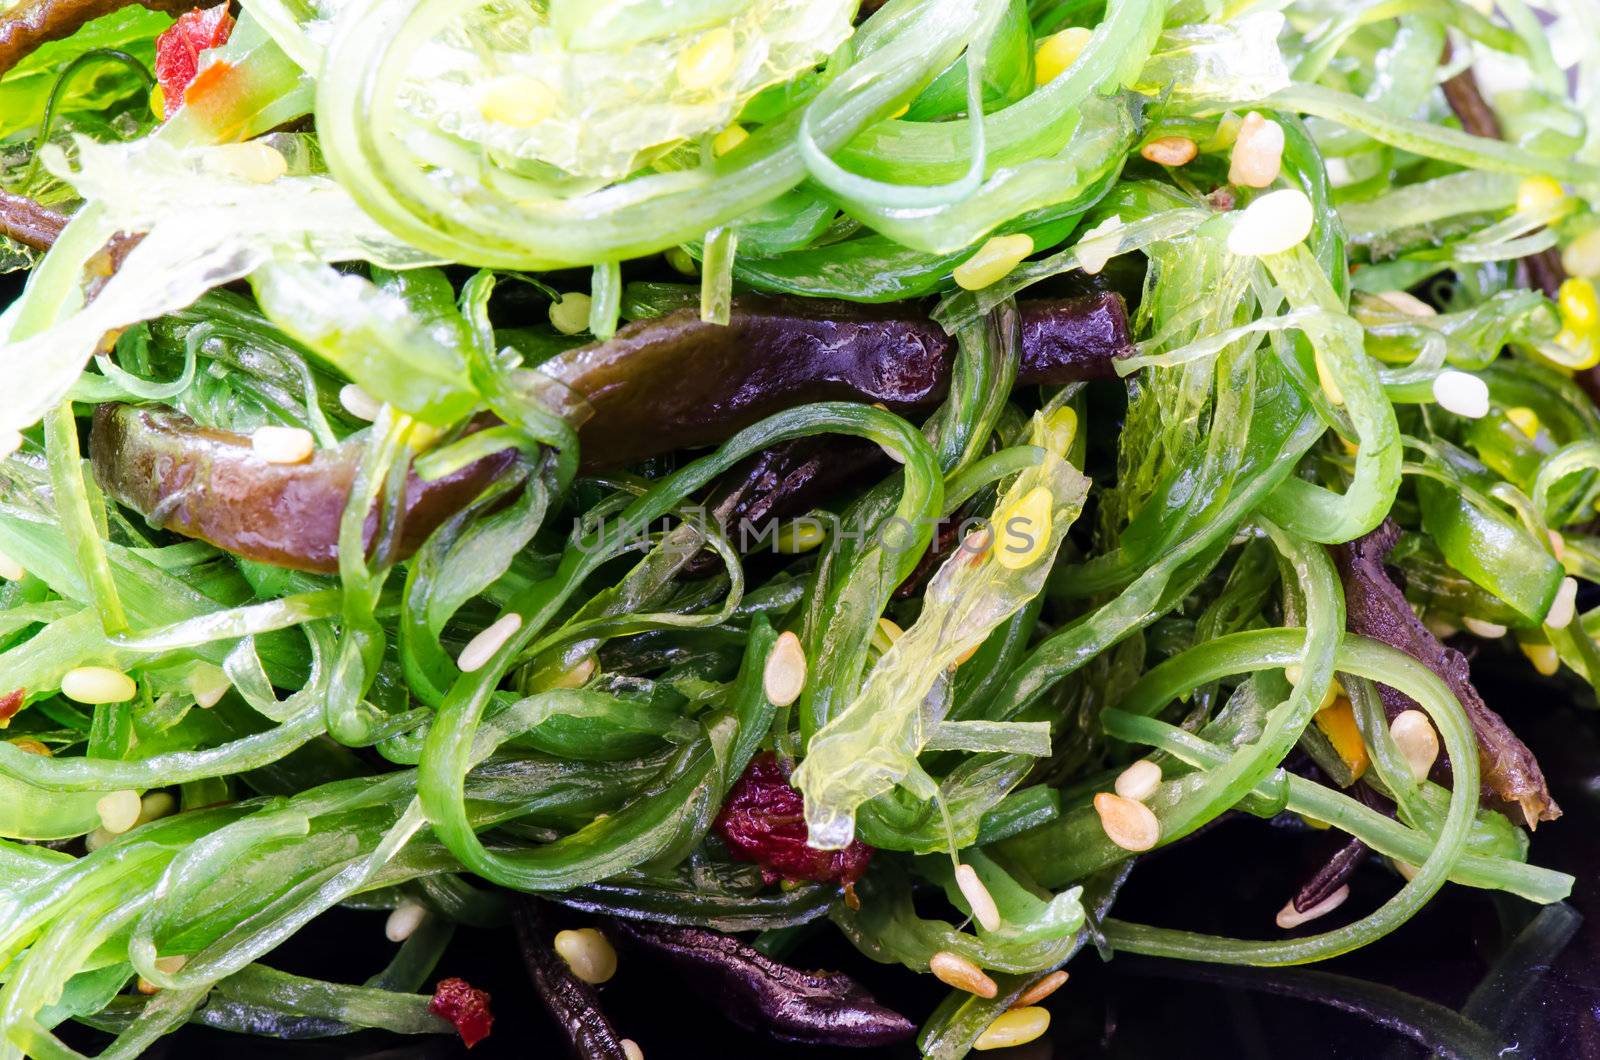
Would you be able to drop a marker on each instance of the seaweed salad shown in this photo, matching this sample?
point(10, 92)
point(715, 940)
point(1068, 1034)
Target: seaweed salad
point(682, 476)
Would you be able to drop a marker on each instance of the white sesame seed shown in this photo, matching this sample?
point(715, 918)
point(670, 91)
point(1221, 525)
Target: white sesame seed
point(404, 920)
point(631, 1050)
point(1130, 825)
point(1413, 733)
point(1479, 627)
point(482, 648)
point(1441, 629)
point(97, 684)
point(1274, 223)
point(1407, 303)
point(952, 969)
point(156, 805)
point(1461, 393)
point(579, 675)
point(10, 442)
point(359, 403)
point(569, 314)
point(1139, 781)
point(118, 810)
point(984, 911)
point(784, 677)
point(252, 161)
point(283, 445)
point(1092, 258)
point(96, 839)
point(208, 684)
point(10, 569)
point(1294, 673)
point(588, 953)
point(1257, 157)
point(1564, 606)
point(1289, 917)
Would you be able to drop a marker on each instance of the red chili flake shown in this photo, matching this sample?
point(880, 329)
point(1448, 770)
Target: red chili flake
point(465, 1006)
point(764, 822)
point(10, 703)
point(178, 50)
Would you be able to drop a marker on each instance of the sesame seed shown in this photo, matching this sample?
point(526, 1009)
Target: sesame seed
point(1129, 824)
point(359, 403)
point(482, 648)
point(631, 1050)
point(1170, 151)
point(1407, 871)
point(118, 810)
point(97, 684)
point(156, 805)
point(952, 969)
point(1025, 530)
point(517, 100)
point(1092, 258)
point(1289, 917)
point(1139, 781)
point(588, 954)
point(10, 442)
point(1539, 193)
point(1413, 733)
point(1276, 222)
point(1257, 157)
point(1041, 989)
point(251, 161)
point(569, 314)
point(984, 911)
point(1582, 256)
point(708, 62)
point(30, 745)
point(1057, 52)
point(10, 569)
point(96, 839)
point(1325, 379)
point(579, 675)
point(1407, 303)
point(1564, 606)
point(1546, 660)
point(1440, 628)
point(166, 966)
point(681, 262)
point(1461, 393)
point(800, 535)
point(1558, 545)
point(1579, 303)
point(1016, 1027)
point(404, 920)
point(208, 684)
point(728, 139)
point(784, 677)
point(992, 261)
point(1479, 627)
point(283, 445)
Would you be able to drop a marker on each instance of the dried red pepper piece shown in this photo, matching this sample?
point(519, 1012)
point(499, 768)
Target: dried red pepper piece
point(465, 1006)
point(764, 822)
point(10, 703)
point(178, 51)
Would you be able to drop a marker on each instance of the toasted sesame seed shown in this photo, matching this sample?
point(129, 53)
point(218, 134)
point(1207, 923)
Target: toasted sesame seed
point(569, 314)
point(97, 684)
point(1337, 722)
point(1139, 781)
point(992, 261)
point(588, 953)
point(728, 139)
point(1407, 303)
point(1129, 824)
point(631, 1050)
point(10, 569)
point(1041, 989)
point(118, 810)
point(404, 920)
point(1414, 734)
point(517, 100)
point(784, 676)
point(482, 648)
point(166, 966)
point(1289, 917)
point(208, 684)
point(359, 403)
point(1170, 151)
point(579, 675)
point(1461, 393)
point(30, 745)
point(1479, 627)
point(1257, 157)
point(708, 61)
point(1565, 605)
point(1019, 1026)
point(1407, 871)
point(283, 445)
point(952, 969)
point(10, 442)
point(1024, 534)
point(1546, 660)
point(1057, 52)
point(984, 911)
point(1276, 222)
